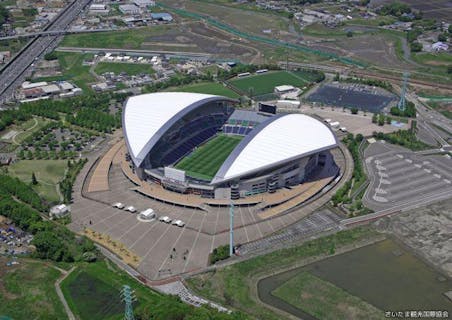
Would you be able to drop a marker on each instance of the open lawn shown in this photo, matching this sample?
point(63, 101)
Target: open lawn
point(27, 291)
point(434, 59)
point(125, 39)
point(257, 85)
point(205, 161)
point(235, 285)
point(47, 172)
point(129, 68)
point(324, 300)
point(208, 88)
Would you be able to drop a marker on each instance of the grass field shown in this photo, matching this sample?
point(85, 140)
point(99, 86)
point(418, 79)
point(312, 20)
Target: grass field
point(92, 298)
point(257, 85)
point(92, 292)
point(125, 39)
point(208, 88)
point(235, 286)
point(72, 69)
point(434, 59)
point(324, 300)
point(27, 291)
point(47, 172)
point(205, 161)
point(129, 68)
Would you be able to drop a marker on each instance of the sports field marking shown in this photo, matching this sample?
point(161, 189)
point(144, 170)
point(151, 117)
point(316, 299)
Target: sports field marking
point(205, 161)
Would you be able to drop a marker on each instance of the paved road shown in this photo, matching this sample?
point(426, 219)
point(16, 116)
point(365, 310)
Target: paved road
point(315, 223)
point(15, 72)
point(53, 33)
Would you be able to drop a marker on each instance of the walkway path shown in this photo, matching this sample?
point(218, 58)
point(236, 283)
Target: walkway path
point(60, 294)
point(29, 129)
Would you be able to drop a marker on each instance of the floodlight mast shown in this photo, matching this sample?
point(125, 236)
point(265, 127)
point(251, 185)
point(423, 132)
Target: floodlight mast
point(231, 229)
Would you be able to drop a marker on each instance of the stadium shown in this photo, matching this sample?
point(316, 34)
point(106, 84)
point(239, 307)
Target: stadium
point(201, 144)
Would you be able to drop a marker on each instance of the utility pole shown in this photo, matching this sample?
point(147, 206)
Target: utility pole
point(128, 296)
point(231, 230)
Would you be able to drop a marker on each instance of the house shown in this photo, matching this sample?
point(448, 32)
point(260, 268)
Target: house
point(440, 46)
point(59, 211)
point(129, 9)
point(144, 3)
point(162, 16)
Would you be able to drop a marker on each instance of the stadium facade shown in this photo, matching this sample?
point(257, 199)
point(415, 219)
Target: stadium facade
point(275, 151)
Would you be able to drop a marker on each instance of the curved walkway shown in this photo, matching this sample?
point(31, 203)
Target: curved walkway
point(99, 179)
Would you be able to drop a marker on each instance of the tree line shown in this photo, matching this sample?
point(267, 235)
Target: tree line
point(20, 203)
point(67, 183)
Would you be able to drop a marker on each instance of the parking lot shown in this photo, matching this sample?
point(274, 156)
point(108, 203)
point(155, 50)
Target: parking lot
point(165, 249)
point(399, 176)
point(355, 123)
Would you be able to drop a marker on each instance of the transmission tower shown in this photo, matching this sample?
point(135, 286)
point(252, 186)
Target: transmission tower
point(128, 296)
point(231, 230)
point(402, 103)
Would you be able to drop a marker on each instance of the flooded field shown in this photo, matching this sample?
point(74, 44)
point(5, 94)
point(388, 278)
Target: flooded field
point(384, 275)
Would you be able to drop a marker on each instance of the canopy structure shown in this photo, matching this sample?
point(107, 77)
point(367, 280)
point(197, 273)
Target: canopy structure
point(147, 117)
point(276, 141)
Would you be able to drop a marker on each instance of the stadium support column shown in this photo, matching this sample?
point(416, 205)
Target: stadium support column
point(231, 230)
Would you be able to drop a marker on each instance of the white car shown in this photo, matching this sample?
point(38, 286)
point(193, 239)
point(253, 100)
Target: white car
point(165, 219)
point(131, 209)
point(118, 205)
point(178, 223)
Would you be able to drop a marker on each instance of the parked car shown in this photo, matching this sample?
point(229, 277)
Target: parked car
point(131, 209)
point(165, 219)
point(118, 205)
point(178, 223)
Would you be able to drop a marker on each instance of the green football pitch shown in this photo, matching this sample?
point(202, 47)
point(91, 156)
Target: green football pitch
point(265, 83)
point(204, 162)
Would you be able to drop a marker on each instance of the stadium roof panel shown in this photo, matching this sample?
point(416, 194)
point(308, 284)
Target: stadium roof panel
point(147, 117)
point(275, 141)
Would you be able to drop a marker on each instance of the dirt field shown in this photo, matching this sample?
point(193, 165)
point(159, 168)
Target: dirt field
point(197, 37)
point(438, 9)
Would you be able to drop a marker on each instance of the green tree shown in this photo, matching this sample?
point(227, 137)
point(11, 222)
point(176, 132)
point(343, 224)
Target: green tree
point(33, 179)
point(374, 118)
point(416, 47)
point(442, 37)
point(349, 34)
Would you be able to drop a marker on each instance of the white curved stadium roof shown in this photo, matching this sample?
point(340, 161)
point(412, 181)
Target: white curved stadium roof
point(146, 114)
point(275, 141)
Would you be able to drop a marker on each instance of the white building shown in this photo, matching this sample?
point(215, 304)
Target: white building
point(440, 46)
point(59, 211)
point(284, 89)
point(144, 3)
point(129, 9)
